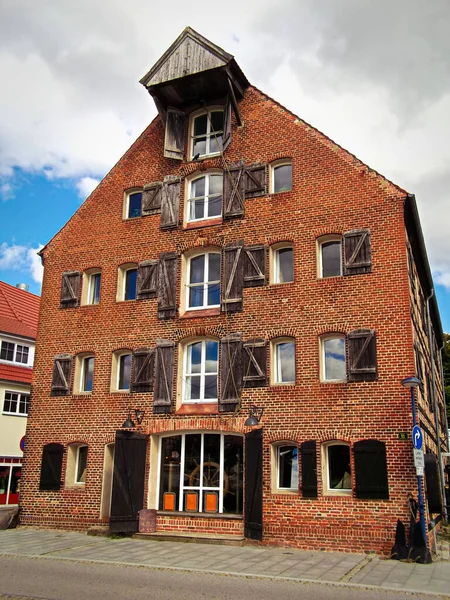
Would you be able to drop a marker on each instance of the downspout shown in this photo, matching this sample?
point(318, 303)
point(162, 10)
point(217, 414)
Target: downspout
point(435, 408)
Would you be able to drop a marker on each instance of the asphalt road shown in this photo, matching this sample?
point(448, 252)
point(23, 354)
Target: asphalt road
point(49, 579)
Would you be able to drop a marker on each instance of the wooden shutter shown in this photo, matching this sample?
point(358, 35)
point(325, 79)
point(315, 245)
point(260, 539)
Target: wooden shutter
point(62, 370)
point(253, 471)
point(174, 141)
point(308, 455)
point(255, 363)
point(164, 371)
point(127, 496)
point(362, 355)
point(230, 372)
point(227, 125)
point(233, 192)
point(255, 181)
point(147, 280)
point(167, 285)
point(254, 265)
point(371, 470)
point(70, 289)
point(170, 203)
point(51, 467)
point(432, 481)
point(357, 252)
point(151, 198)
point(232, 278)
point(142, 372)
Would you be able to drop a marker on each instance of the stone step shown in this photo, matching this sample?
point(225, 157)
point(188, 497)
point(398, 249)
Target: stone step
point(192, 537)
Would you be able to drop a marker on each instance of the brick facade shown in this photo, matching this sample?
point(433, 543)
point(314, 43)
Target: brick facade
point(332, 193)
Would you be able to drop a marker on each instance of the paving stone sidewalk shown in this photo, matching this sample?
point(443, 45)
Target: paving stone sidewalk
point(331, 567)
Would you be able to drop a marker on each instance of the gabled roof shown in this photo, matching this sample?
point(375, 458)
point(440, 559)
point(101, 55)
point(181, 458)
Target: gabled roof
point(15, 373)
point(19, 311)
point(190, 53)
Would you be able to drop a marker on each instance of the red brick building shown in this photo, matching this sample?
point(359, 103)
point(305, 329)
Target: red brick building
point(234, 257)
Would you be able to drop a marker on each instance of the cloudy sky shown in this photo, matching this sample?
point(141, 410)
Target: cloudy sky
point(373, 76)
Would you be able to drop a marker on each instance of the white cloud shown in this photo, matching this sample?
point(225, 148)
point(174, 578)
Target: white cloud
point(24, 259)
point(86, 185)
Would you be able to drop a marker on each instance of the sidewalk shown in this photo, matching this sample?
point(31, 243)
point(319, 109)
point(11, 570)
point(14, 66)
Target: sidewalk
point(286, 563)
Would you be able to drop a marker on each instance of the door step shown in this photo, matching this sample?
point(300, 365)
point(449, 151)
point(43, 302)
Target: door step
point(193, 538)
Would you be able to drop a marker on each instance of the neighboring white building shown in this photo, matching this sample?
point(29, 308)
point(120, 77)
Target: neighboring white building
point(19, 311)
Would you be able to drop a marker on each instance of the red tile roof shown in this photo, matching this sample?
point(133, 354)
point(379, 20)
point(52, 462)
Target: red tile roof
point(13, 373)
point(19, 311)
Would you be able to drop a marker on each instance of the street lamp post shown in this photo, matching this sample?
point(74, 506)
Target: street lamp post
point(412, 383)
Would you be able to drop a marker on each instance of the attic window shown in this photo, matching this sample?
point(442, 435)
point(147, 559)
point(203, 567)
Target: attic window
point(207, 133)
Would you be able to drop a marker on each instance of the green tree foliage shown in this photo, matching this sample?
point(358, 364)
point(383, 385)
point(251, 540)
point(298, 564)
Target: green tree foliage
point(446, 366)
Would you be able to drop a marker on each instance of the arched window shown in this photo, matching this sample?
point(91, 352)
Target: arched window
point(121, 371)
point(200, 371)
point(207, 133)
point(132, 204)
point(329, 256)
point(84, 373)
point(283, 361)
point(205, 197)
point(281, 176)
point(285, 467)
point(282, 263)
point(332, 357)
point(203, 281)
point(126, 282)
point(91, 286)
point(337, 474)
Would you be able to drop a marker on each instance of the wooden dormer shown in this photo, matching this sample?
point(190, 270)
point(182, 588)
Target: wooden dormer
point(194, 72)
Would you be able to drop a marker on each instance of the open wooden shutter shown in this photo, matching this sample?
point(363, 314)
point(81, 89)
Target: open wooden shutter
point(51, 467)
point(432, 481)
point(164, 371)
point(232, 278)
point(62, 370)
point(147, 280)
point(254, 265)
point(227, 125)
point(151, 198)
point(170, 203)
point(233, 192)
point(127, 496)
point(167, 285)
point(371, 475)
point(255, 363)
point(143, 367)
point(253, 519)
point(308, 454)
point(70, 289)
point(357, 252)
point(362, 355)
point(255, 180)
point(174, 141)
point(230, 372)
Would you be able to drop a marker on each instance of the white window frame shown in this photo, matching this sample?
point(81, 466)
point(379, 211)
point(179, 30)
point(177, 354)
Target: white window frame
point(275, 370)
point(200, 488)
point(272, 168)
point(275, 262)
point(76, 481)
point(15, 343)
point(320, 242)
point(126, 203)
point(78, 378)
point(83, 372)
point(205, 284)
point(87, 296)
point(324, 338)
point(122, 280)
point(206, 197)
point(208, 134)
point(17, 412)
point(115, 370)
point(185, 351)
point(327, 491)
point(275, 470)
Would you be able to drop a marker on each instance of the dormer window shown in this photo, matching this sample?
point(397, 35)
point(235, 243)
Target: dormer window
point(207, 133)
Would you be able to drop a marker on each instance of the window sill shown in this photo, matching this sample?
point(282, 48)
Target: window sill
point(281, 284)
point(333, 382)
point(337, 494)
point(7, 414)
point(205, 223)
point(285, 493)
point(119, 391)
point(204, 312)
point(198, 409)
point(282, 385)
point(89, 305)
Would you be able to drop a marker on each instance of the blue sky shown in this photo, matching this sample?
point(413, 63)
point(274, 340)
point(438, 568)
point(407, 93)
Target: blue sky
point(73, 103)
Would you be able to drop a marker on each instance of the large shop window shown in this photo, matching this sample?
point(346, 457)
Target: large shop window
point(10, 474)
point(201, 369)
point(205, 197)
point(201, 473)
point(203, 275)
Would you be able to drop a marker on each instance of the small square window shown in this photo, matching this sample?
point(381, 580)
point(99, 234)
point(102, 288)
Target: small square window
point(282, 264)
point(287, 467)
point(281, 177)
point(22, 354)
point(283, 363)
point(7, 351)
point(333, 363)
